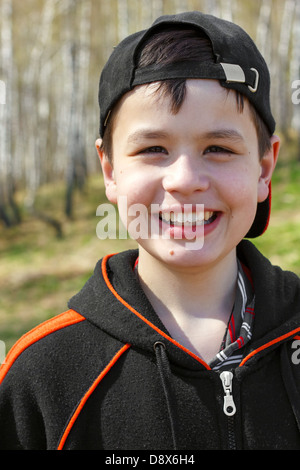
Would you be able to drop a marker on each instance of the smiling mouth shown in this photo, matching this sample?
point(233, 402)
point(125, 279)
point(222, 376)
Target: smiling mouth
point(188, 219)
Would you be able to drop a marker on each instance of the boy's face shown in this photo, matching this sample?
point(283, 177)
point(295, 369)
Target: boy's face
point(206, 154)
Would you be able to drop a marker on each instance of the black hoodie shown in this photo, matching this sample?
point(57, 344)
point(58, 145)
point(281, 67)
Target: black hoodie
point(107, 375)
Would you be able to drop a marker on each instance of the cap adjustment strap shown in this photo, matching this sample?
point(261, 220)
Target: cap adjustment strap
point(254, 89)
point(235, 73)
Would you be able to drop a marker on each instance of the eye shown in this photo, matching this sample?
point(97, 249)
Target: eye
point(217, 149)
point(154, 149)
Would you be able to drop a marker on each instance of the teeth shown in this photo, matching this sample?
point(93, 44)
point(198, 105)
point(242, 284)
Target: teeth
point(208, 215)
point(166, 216)
point(180, 218)
point(188, 219)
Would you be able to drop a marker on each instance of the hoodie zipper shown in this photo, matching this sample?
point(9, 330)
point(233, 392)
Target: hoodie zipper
point(226, 377)
point(229, 407)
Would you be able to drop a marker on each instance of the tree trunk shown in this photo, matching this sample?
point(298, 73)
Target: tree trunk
point(295, 74)
point(263, 40)
point(79, 59)
point(32, 95)
point(9, 211)
point(283, 92)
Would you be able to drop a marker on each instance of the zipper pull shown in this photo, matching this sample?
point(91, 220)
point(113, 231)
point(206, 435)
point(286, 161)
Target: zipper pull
point(229, 406)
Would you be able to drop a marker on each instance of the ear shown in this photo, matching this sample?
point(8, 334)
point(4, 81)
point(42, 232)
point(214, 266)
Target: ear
point(268, 163)
point(108, 173)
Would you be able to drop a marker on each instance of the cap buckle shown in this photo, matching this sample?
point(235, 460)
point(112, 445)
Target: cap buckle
point(254, 89)
point(233, 73)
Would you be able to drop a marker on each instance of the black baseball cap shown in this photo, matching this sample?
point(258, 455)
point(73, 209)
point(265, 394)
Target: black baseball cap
point(238, 65)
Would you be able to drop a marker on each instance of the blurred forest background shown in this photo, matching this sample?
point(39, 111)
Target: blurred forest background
point(51, 55)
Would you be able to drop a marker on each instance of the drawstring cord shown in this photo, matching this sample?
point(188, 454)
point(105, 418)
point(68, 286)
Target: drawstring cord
point(165, 376)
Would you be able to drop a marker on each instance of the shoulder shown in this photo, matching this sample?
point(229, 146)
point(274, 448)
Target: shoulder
point(61, 349)
point(57, 323)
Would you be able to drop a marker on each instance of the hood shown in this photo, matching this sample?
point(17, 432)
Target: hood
point(113, 300)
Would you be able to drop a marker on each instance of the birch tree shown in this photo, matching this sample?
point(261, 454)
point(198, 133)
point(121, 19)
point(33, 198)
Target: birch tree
point(281, 75)
point(263, 41)
point(212, 7)
point(146, 14)
point(227, 9)
point(31, 96)
point(295, 74)
point(79, 60)
point(31, 80)
point(9, 212)
point(123, 20)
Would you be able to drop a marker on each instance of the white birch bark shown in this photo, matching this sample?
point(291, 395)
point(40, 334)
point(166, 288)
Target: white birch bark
point(227, 9)
point(295, 71)
point(79, 58)
point(31, 82)
point(180, 6)
point(123, 20)
point(212, 7)
point(6, 118)
point(282, 89)
point(263, 40)
point(157, 8)
point(146, 14)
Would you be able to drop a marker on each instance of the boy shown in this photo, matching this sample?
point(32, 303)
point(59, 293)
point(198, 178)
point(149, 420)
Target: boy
point(189, 342)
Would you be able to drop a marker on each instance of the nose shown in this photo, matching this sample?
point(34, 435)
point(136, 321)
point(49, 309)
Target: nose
point(186, 175)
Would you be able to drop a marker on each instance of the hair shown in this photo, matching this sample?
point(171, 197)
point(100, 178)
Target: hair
point(171, 46)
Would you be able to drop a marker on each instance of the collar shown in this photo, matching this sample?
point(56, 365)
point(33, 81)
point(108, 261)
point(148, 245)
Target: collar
point(240, 325)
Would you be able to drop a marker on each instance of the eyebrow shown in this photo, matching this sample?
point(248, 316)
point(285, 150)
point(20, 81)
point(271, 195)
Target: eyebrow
point(230, 134)
point(152, 134)
point(149, 134)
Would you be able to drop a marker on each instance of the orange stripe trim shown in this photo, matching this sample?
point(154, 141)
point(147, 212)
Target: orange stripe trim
point(70, 317)
point(297, 337)
point(267, 345)
point(89, 393)
point(115, 293)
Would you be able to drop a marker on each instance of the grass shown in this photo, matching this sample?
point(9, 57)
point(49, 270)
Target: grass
point(40, 272)
point(280, 243)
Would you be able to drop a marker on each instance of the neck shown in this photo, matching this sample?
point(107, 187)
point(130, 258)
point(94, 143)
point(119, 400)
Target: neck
point(194, 306)
point(206, 292)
